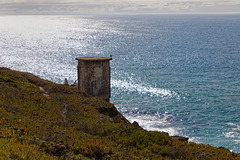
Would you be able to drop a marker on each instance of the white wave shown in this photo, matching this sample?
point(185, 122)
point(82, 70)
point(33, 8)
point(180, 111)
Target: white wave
point(231, 124)
point(153, 123)
point(142, 89)
point(237, 127)
point(231, 134)
point(234, 133)
point(237, 141)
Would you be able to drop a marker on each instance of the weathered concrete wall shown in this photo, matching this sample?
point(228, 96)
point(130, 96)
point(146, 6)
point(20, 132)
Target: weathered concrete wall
point(94, 76)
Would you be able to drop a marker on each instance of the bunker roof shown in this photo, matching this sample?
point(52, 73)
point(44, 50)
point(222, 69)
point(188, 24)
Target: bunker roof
point(94, 58)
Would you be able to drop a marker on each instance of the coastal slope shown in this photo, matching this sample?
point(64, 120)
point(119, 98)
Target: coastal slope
point(40, 119)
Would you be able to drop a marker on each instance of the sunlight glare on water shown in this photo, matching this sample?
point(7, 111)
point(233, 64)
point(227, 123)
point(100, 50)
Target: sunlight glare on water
point(173, 73)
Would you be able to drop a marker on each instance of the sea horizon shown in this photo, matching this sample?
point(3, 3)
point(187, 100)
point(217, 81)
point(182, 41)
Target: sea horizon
point(173, 73)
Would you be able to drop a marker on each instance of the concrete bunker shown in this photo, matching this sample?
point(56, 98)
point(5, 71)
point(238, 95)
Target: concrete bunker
point(94, 76)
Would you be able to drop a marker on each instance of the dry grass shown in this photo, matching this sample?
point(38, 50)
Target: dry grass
point(70, 125)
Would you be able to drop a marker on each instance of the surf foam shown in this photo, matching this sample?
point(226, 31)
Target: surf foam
point(129, 86)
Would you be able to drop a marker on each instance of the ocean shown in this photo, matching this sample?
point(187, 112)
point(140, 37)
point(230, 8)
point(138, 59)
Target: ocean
point(174, 73)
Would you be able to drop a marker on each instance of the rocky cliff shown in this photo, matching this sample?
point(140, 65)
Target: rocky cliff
point(43, 120)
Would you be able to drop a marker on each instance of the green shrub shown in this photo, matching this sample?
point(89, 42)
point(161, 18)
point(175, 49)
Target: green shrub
point(60, 122)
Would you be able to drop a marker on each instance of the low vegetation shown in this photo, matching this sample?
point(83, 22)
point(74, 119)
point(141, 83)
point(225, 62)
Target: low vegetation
point(43, 120)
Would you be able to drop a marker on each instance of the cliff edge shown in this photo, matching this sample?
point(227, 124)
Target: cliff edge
point(40, 119)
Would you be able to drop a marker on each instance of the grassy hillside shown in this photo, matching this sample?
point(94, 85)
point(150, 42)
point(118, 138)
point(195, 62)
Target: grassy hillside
point(43, 120)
